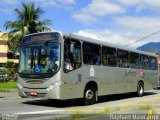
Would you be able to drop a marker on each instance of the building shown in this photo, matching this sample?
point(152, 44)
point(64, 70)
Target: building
point(3, 49)
point(5, 55)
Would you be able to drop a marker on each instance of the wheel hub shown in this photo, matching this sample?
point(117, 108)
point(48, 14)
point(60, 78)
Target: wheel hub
point(141, 90)
point(89, 94)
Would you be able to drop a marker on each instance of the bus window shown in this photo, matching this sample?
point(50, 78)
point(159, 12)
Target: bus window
point(145, 62)
point(122, 58)
point(134, 60)
point(72, 55)
point(91, 54)
point(153, 63)
point(109, 56)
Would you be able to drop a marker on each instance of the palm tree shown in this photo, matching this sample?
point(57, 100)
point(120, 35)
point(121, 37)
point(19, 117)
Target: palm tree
point(28, 22)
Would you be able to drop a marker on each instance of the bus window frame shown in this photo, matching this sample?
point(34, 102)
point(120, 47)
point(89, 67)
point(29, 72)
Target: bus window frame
point(142, 62)
point(115, 56)
point(127, 63)
point(67, 71)
point(42, 75)
point(95, 55)
point(139, 57)
point(156, 63)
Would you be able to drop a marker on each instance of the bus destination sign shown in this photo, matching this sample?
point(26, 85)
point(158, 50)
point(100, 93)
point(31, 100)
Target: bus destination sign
point(42, 37)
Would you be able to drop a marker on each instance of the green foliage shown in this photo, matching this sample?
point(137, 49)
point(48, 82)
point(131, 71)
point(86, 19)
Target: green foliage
point(10, 69)
point(27, 22)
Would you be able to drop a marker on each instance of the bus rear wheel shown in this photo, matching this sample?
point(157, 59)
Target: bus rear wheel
point(140, 89)
point(89, 96)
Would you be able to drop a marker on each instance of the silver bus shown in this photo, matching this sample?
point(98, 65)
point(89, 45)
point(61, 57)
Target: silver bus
point(62, 66)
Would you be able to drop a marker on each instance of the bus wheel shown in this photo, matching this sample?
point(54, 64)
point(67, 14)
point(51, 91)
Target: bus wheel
point(140, 89)
point(89, 96)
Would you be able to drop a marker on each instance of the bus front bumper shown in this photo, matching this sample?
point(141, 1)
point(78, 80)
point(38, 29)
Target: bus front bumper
point(52, 92)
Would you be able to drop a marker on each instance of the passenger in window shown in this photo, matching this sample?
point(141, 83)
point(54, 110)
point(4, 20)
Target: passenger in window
point(69, 62)
point(51, 66)
point(71, 57)
point(97, 59)
point(68, 66)
point(105, 60)
point(43, 60)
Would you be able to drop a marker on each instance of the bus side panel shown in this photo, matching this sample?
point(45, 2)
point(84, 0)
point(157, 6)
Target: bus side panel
point(132, 79)
point(113, 78)
point(72, 86)
point(110, 80)
point(150, 79)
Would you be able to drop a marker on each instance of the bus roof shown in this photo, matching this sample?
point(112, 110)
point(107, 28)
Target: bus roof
point(100, 42)
point(96, 41)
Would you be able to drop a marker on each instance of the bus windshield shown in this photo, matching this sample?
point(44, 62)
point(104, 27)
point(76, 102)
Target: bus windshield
point(40, 58)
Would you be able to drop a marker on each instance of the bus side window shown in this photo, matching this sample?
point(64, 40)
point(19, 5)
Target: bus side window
point(145, 62)
point(109, 56)
point(91, 54)
point(122, 58)
point(134, 60)
point(72, 54)
point(153, 63)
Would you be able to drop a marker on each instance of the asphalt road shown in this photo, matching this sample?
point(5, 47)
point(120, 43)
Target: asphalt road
point(12, 106)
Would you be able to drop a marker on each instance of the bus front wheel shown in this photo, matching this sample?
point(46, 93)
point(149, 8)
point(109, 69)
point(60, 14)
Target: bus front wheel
point(89, 96)
point(140, 89)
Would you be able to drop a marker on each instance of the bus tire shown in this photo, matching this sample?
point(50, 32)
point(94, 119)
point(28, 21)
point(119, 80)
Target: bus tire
point(89, 96)
point(140, 89)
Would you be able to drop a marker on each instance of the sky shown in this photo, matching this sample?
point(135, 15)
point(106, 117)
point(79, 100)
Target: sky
point(115, 21)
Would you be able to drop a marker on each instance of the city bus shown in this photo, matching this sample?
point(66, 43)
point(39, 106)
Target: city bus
point(63, 66)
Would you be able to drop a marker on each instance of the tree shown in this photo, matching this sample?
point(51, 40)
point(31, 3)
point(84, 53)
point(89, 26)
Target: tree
point(28, 22)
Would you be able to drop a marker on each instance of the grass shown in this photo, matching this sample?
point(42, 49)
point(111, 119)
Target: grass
point(7, 86)
point(144, 107)
point(117, 109)
point(107, 110)
point(78, 114)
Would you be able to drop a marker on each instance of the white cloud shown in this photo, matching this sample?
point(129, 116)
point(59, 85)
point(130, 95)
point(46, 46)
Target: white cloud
point(10, 2)
point(141, 25)
point(97, 8)
point(102, 8)
point(55, 3)
point(141, 4)
point(84, 18)
point(127, 30)
point(123, 29)
point(105, 35)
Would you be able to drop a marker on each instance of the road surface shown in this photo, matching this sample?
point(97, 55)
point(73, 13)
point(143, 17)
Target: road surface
point(12, 106)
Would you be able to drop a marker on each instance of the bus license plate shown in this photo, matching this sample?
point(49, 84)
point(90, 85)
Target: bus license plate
point(33, 93)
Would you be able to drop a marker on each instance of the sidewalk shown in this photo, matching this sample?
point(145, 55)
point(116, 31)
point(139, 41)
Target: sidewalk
point(12, 94)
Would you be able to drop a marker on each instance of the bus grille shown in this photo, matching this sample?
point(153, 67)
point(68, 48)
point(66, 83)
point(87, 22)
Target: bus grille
point(35, 81)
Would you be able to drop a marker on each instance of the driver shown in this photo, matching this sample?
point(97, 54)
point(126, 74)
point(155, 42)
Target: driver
point(52, 58)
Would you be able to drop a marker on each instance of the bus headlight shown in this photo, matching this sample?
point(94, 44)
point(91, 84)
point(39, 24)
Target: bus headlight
point(50, 87)
point(57, 83)
point(19, 86)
